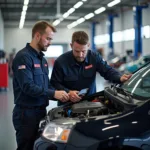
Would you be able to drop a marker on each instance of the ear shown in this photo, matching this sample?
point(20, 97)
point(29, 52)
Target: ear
point(71, 45)
point(37, 35)
point(88, 45)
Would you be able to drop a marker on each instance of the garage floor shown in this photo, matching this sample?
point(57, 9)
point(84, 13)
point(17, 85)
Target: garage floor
point(7, 132)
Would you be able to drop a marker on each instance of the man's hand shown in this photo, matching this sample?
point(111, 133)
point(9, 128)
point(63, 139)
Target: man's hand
point(73, 96)
point(125, 77)
point(61, 95)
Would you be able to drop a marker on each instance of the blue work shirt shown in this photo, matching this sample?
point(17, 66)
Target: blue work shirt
point(30, 79)
point(68, 74)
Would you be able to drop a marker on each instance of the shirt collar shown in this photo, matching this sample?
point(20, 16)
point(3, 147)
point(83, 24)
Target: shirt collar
point(33, 51)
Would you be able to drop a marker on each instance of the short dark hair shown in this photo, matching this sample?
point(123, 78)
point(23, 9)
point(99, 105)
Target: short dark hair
point(80, 37)
point(40, 26)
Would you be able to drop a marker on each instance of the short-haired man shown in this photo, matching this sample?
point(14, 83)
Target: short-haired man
point(31, 86)
point(76, 69)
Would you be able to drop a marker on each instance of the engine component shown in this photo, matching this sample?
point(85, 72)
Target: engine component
point(84, 106)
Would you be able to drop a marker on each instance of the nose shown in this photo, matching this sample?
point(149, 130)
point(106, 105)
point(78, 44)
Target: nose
point(80, 54)
point(49, 42)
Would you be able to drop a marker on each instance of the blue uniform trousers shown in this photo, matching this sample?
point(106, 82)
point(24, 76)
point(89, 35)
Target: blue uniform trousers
point(26, 123)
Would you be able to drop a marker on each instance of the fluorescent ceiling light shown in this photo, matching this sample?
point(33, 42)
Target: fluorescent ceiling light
point(23, 17)
point(23, 13)
point(56, 22)
point(77, 5)
point(88, 16)
point(84, 0)
point(65, 15)
point(100, 10)
point(80, 20)
point(21, 23)
point(25, 8)
point(71, 10)
point(72, 25)
point(113, 3)
point(26, 2)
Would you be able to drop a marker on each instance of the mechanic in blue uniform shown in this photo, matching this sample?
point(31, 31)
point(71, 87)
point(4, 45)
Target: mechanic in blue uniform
point(31, 86)
point(76, 69)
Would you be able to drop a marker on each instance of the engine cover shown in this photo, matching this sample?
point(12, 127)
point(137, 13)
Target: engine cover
point(84, 106)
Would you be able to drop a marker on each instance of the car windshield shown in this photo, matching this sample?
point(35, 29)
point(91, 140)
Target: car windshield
point(139, 84)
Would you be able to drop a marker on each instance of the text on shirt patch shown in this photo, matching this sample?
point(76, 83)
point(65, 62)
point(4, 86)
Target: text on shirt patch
point(22, 67)
point(89, 66)
point(37, 65)
point(45, 65)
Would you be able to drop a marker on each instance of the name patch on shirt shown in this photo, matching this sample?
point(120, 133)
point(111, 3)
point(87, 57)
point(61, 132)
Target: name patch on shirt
point(22, 67)
point(89, 66)
point(45, 65)
point(37, 65)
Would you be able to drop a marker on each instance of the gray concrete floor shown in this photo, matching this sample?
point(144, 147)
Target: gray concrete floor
point(7, 132)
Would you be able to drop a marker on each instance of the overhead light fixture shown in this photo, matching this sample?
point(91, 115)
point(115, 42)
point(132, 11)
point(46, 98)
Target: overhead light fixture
point(23, 13)
point(77, 5)
point(100, 10)
point(21, 23)
point(80, 20)
point(88, 16)
point(73, 24)
point(71, 10)
point(113, 3)
point(25, 8)
point(26, 2)
point(65, 15)
point(56, 22)
point(22, 17)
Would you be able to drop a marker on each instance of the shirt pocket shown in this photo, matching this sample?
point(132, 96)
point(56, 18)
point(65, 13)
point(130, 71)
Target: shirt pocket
point(70, 81)
point(70, 78)
point(89, 73)
point(38, 77)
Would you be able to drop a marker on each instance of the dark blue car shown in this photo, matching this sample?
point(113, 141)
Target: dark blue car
point(117, 118)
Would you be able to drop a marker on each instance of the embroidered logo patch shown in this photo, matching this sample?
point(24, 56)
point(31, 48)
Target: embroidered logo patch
point(37, 65)
point(22, 67)
point(45, 65)
point(89, 66)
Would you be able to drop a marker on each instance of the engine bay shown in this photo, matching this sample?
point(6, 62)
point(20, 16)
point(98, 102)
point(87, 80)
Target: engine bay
point(101, 103)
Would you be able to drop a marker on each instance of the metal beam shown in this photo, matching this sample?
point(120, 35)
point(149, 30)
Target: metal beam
point(45, 10)
point(138, 31)
point(93, 30)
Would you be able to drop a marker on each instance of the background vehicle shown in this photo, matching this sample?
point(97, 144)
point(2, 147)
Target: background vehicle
point(134, 65)
point(116, 118)
point(117, 61)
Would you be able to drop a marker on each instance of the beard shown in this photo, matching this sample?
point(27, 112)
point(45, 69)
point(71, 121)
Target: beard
point(79, 59)
point(42, 47)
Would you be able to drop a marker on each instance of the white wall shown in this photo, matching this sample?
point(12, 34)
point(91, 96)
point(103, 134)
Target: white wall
point(17, 38)
point(1, 32)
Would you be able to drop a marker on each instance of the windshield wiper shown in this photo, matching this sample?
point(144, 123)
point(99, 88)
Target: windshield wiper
point(117, 89)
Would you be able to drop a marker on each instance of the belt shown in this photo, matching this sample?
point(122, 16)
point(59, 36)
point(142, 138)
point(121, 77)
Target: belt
point(31, 107)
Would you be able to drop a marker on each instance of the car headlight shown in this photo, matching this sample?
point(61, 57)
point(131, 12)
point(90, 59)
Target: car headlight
point(56, 132)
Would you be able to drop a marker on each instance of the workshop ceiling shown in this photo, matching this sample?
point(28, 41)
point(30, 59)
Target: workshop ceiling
point(51, 10)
